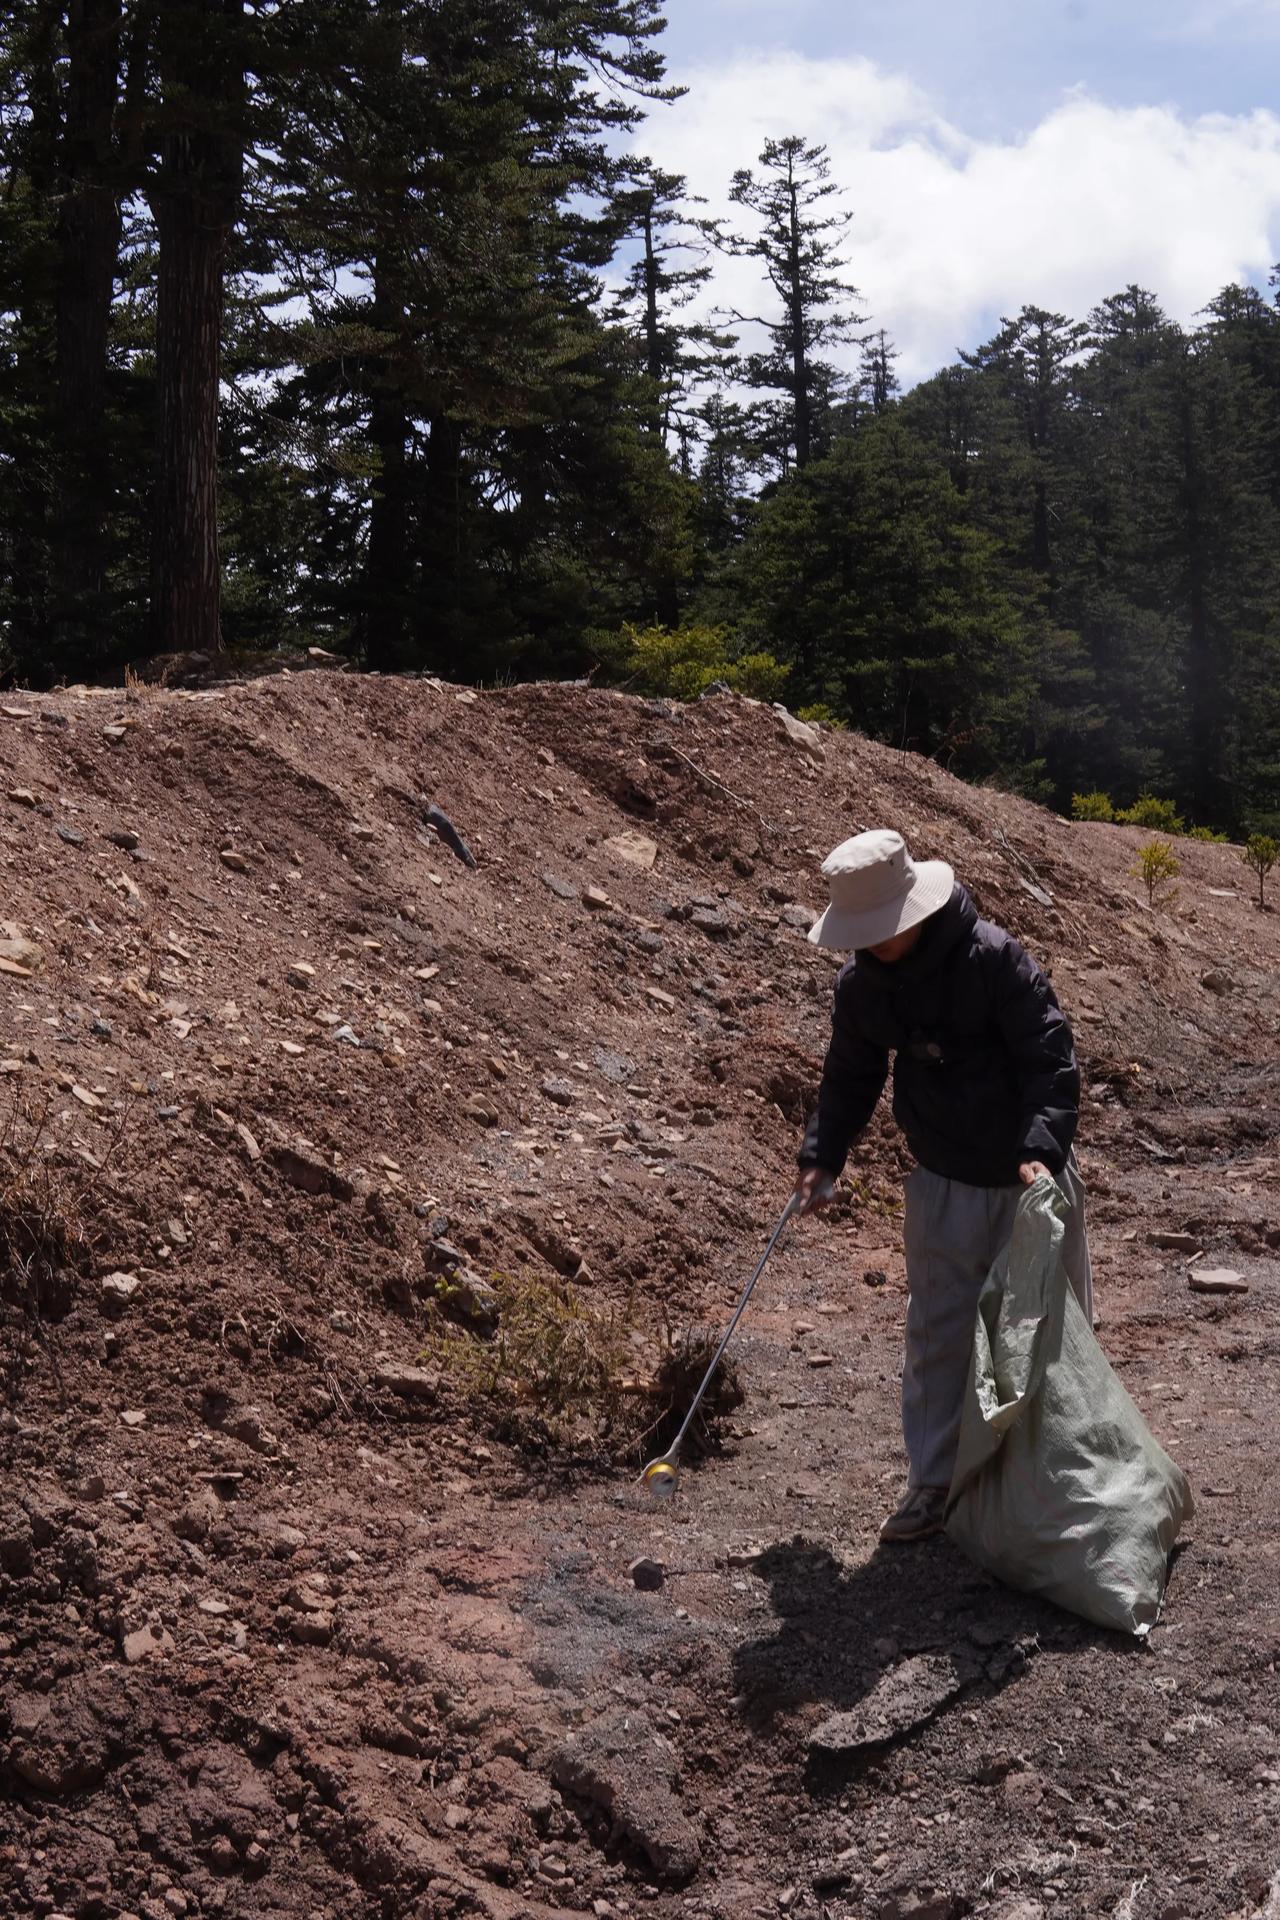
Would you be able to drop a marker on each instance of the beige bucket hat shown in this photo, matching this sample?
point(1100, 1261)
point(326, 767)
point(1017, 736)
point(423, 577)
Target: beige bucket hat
point(878, 890)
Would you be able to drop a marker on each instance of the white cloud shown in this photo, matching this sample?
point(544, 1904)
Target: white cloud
point(950, 232)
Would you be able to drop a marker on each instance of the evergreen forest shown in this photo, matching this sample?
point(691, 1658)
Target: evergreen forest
point(368, 325)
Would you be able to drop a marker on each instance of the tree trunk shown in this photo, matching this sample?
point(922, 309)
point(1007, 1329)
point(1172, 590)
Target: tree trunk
point(799, 366)
point(385, 620)
point(88, 245)
point(195, 200)
point(30, 630)
point(652, 335)
point(440, 614)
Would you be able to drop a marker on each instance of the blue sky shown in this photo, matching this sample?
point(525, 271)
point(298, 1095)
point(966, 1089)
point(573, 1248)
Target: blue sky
point(999, 67)
point(1049, 151)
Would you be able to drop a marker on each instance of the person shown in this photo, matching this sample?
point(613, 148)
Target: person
point(986, 1091)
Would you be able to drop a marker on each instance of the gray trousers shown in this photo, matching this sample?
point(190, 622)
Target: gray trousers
point(953, 1234)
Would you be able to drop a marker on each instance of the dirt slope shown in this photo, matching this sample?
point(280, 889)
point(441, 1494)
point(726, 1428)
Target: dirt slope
point(288, 1627)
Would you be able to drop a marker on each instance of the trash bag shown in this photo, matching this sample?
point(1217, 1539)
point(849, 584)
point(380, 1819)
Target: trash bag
point(1059, 1486)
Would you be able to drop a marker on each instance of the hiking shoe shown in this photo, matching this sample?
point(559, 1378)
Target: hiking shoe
point(919, 1515)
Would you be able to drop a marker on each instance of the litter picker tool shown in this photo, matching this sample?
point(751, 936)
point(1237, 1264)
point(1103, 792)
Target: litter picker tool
point(659, 1477)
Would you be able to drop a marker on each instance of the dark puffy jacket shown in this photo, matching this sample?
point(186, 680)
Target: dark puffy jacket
point(984, 1072)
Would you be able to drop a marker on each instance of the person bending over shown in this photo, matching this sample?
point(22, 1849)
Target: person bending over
point(986, 1090)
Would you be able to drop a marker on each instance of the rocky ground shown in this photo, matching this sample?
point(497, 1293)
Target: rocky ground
point(305, 1609)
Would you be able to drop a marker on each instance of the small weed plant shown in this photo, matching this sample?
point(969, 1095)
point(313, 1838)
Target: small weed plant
point(1157, 867)
point(1092, 806)
point(1259, 854)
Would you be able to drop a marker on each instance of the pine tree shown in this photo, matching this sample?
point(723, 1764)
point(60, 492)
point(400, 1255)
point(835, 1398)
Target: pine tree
point(798, 244)
point(877, 382)
point(669, 270)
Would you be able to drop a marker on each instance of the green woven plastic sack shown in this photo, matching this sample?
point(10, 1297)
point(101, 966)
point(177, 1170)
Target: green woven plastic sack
point(1059, 1486)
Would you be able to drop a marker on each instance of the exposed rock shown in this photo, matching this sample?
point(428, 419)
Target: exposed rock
point(22, 952)
point(1175, 1242)
point(1218, 981)
point(659, 998)
point(480, 1110)
point(1217, 1280)
point(22, 796)
point(124, 838)
point(596, 899)
point(410, 1383)
point(800, 732)
point(646, 1574)
point(236, 862)
point(311, 1629)
point(635, 849)
point(146, 1643)
point(562, 889)
point(245, 1424)
point(562, 1092)
point(618, 1067)
point(117, 1290)
point(713, 921)
point(301, 973)
point(623, 1764)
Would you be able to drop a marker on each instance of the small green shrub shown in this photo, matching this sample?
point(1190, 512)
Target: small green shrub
point(758, 675)
point(1207, 834)
point(1148, 810)
point(679, 663)
point(1092, 806)
point(1156, 866)
point(819, 714)
point(1259, 853)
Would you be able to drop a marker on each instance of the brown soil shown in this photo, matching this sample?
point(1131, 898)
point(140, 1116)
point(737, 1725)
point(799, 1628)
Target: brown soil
point(293, 1622)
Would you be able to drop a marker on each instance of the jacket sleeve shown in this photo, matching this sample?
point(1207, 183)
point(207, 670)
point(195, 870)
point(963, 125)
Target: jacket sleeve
point(853, 1077)
point(1035, 1031)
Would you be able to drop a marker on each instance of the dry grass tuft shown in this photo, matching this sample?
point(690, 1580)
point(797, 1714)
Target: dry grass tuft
point(553, 1367)
point(559, 1370)
point(44, 1245)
